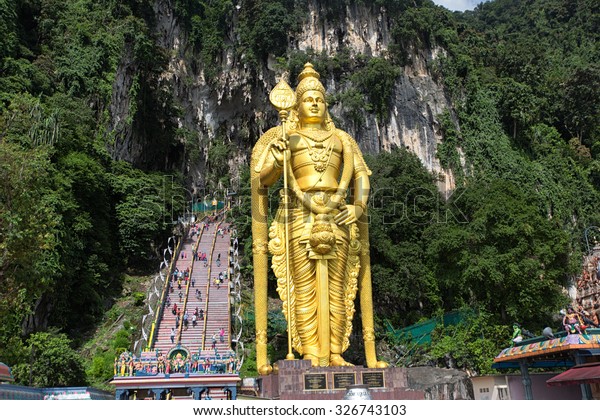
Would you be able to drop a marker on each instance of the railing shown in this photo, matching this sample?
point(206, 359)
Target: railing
point(236, 322)
point(189, 281)
point(165, 286)
point(159, 311)
point(161, 301)
point(206, 314)
point(229, 284)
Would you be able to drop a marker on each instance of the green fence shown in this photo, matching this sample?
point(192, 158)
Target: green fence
point(203, 207)
point(420, 333)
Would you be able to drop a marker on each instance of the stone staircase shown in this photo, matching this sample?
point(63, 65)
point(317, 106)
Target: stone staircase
point(214, 369)
point(217, 302)
point(162, 343)
point(212, 299)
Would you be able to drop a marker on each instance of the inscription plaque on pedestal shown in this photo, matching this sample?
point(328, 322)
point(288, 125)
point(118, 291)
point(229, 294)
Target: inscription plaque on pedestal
point(315, 381)
point(373, 379)
point(342, 380)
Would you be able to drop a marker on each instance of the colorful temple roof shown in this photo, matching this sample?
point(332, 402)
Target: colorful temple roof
point(5, 374)
point(551, 347)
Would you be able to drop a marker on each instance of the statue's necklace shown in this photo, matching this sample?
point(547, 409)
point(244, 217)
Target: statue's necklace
point(318, 154)
point(318, 136)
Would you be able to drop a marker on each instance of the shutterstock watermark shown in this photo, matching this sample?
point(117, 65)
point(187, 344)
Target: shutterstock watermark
point(387, 206)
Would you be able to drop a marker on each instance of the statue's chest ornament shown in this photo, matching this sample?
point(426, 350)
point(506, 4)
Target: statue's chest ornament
point(322, 148)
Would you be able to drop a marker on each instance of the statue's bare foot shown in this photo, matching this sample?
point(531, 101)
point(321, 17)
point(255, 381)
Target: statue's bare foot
point(338, 360)
point(314, 360)
point(381, 364)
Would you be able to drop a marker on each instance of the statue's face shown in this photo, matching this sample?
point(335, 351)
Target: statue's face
point(312, 107)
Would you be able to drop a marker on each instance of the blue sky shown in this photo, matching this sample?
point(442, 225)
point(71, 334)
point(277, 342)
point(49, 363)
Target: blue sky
point(461, 5)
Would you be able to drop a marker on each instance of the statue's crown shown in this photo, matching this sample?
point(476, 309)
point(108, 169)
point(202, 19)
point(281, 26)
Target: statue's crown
point(308, 79)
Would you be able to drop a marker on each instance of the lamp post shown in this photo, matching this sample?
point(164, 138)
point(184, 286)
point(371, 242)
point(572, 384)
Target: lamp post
point(230, 196)
point(191, 217)
point(204, 206)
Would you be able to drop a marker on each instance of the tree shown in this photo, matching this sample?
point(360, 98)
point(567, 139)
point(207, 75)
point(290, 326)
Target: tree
point(582, 104)
point(8, 28)
point(29, 260)
point(146, 204)
point(470, 345)
point(377, 80)
point(52, 362)
point(506, 257)
point(101, 369)
point(87, 247)
point(265, 27)
point(404, 202)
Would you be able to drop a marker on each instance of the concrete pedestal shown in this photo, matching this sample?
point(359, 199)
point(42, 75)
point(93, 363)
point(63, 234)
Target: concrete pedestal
point(297, 380)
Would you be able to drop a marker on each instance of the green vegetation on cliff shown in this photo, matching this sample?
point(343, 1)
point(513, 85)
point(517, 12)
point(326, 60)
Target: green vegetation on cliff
point(72, 219)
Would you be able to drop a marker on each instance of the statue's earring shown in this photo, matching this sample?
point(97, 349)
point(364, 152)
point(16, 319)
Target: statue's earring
point(328, 121)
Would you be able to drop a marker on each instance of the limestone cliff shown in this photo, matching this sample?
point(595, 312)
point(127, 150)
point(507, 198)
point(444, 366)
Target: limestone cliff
point(235, 109)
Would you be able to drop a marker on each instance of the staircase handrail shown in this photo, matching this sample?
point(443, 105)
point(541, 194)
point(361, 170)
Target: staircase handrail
point(229, 275)
point(161, 301)
point(212, 250)
point(189, 281)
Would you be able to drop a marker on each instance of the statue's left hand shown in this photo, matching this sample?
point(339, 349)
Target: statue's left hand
point(349, 214)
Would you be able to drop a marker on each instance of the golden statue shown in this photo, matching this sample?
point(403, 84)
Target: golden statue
point(319, 238)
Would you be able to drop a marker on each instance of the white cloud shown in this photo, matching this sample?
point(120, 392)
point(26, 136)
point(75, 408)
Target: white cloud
point(459, 5)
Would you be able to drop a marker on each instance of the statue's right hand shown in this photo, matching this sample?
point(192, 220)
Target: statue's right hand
point(278, 149)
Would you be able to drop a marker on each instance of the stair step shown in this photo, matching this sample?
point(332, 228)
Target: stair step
point(216, 311)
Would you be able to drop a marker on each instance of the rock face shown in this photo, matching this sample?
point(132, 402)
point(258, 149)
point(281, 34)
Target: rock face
point(440, 384)
point(363, 30)
point(236, 110)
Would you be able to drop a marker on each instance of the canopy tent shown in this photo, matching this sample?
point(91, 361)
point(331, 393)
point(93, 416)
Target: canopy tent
point(586, 373)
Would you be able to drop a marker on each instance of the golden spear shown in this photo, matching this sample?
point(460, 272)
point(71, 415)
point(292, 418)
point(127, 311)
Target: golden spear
point(283, 98)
